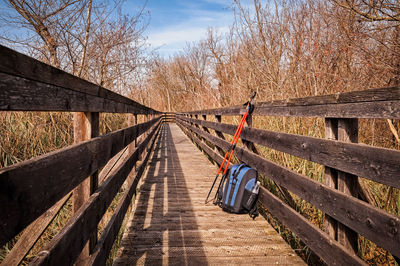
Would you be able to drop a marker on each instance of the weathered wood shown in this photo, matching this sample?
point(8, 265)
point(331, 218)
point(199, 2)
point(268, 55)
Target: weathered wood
point(326, 248)
point(219, 134)
point(248, 144)
point(20, 94)
point(105, 243)
point(357, 159)
point(380, 109)
point(68, 243)
point(52, 176)
point(251, 147)
point(369, 95)
point(376, 103)
point(86, 127)
point(210, 152)
point(347, 183)
point(32, 233)
point(19, 65)
point(373, 223)
point(132, 120)
point(330, 176)
point(172, 225)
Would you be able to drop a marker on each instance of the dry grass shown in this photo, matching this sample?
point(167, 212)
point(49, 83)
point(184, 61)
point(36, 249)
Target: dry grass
point(29, 134)
point(374, 132)
point(25, 135)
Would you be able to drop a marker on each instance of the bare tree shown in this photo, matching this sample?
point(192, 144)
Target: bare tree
point(46, 18)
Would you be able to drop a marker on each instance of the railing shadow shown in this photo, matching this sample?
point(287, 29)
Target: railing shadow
point(164, 223)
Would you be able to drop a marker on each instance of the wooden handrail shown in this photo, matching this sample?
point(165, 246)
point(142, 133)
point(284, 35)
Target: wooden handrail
point(30, 85)
point(31, 188)
point(384, 168)
point(66, 247)
point(374, 163)
point(51, 178)
point(103, 247)
point(331, 201)
point(374, 103)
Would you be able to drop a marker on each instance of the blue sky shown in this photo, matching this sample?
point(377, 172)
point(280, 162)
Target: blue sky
point(174, 23)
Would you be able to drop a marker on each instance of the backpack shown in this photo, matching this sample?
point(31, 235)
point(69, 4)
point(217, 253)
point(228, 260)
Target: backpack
point(238, 191)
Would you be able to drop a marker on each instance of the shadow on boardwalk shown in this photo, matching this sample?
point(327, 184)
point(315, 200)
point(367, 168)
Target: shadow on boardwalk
point(164, 224)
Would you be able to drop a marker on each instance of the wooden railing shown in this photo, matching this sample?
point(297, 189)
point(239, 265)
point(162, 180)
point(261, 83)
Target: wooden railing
point(344, 159)
point(32, 192)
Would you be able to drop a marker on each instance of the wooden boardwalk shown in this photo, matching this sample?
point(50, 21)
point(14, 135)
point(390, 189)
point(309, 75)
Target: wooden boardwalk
point(171, 224)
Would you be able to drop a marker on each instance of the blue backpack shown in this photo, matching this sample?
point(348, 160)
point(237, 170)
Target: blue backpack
point(238, 191)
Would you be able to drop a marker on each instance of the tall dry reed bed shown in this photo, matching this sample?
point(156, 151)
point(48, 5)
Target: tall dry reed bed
point(25, 135)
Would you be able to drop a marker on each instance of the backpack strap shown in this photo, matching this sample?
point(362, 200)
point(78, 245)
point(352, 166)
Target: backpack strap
point(254, 211)
point(237, 171)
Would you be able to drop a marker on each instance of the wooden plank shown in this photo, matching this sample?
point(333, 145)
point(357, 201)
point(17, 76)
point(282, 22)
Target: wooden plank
point(215, 156)
point(357, 159)
point(210, 251)
point(379, 109)
point(369, 95)
point(266, 259)
point(24, 199)
point(203, 224)
point(20, 94)
point(32, 233)
point(375, 103)
point(65, 247)
point(101, 251)
point(326, 248)
point(372, 222)
point(170, 226)
point(17, 64)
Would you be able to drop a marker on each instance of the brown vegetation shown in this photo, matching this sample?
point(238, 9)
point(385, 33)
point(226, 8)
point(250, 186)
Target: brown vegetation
point(281, 49)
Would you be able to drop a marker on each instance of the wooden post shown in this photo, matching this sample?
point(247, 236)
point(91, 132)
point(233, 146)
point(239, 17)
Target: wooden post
point(149, 117)
point(220, 134)
point(86, 126)
point(251, 147)
point(205, 119)
point(132, 120)
point(347, 183)
point(345, 130)
point(331, 133)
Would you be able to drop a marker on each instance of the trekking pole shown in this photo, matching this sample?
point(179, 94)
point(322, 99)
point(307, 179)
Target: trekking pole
point(232, 147)
point(223, 162)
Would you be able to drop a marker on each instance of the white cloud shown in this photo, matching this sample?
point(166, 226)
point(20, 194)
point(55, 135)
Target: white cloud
point(171, 38)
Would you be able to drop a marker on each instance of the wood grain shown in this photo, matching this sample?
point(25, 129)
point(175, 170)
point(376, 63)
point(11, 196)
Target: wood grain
point(171, 224)
point(24, 199)
point(378, 164)
point(374, 103)
point(21, 94)
point(326, 248)
point(106, 241)
point(32, 233)
point(66, 246)
point(371, 222)
point(27, 68)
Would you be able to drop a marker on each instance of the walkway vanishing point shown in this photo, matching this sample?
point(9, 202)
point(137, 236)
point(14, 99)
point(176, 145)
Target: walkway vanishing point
point(171, 225)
